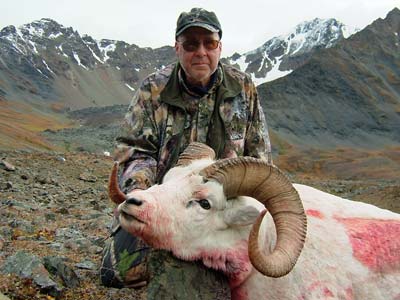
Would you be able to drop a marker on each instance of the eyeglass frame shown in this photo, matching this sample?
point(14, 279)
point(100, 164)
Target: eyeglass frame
point(197, 44)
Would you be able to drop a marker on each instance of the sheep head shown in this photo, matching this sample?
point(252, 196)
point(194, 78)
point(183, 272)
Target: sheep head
point(189, 211)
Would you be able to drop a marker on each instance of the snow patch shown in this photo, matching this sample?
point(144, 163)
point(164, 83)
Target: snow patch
point(37, 69)
point(109, 48)
point(93, 53)
point(47, 66)
point(34, 31)
point(129, 87)
point(273, 74)
point(61, 50)
point(54, 36)
point(34, 47)
point(79, 60)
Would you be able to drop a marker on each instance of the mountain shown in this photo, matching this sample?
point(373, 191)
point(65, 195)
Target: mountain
point(281, 55)
point(346, 95)
point(47, 69)
point(341, 92)
point(45, 62)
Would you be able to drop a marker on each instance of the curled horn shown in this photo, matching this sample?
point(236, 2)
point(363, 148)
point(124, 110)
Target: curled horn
point(247, 176)
point(114, 192)
point(195, 151)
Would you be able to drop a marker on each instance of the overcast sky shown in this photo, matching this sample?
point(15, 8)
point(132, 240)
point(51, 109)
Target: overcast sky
point(246, 24)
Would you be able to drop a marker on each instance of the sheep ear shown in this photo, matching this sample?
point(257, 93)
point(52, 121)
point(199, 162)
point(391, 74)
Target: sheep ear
point(241, 215)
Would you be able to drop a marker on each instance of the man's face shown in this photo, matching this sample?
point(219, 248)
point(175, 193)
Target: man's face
point(199, 63)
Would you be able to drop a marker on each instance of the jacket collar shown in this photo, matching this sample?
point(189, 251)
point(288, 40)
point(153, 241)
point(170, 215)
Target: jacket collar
point(172, 93)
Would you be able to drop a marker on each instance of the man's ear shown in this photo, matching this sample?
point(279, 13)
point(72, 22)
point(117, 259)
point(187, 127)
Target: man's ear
point(241, 215)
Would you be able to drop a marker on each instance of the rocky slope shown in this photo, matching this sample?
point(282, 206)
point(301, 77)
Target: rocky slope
point(55, 217)
point(45, 62)
point(54, 222)
point(347, 95)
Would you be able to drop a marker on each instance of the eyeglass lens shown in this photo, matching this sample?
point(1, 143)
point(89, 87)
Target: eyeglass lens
point(193, 45)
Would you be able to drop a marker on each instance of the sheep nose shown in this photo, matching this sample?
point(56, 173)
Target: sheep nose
point(134, 201)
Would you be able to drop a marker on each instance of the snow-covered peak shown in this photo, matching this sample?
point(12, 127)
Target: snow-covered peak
point(29, 36)
point(280, 55)
point(44, 28)
point(310, 34)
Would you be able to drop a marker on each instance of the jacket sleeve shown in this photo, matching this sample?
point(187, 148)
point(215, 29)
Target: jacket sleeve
point(137, 143)
point(257, 142)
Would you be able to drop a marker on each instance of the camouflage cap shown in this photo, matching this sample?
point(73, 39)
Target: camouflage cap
point(198, 17)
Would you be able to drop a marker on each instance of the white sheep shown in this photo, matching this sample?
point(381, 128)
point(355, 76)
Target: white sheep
point(351, 250)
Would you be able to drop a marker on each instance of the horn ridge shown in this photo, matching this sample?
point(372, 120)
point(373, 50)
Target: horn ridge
point(248, 176)
point(195, 151)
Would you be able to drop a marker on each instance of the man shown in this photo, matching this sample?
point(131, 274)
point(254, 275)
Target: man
point(196, 99)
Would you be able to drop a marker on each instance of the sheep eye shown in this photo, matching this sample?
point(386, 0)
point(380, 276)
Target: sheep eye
point(204, 203)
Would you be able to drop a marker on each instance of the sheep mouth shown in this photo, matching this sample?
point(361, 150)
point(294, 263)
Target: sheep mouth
point(129, 217)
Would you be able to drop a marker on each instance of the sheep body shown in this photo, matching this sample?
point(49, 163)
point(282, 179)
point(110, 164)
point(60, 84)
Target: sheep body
point(352, 249)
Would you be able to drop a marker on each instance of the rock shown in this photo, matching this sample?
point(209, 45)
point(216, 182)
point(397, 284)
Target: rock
point(60, 158)
point(25, 226)
point(176, 279)
point(27, 265)
point(63, 234)
point(79, 244)
point(2, 242)
point(63, 211)
point(87, 177)
point(6, 232)
point(56, 246)
point(6, 166)
point(56, 266)
point(42, 179)
point(8, 185)
point(98, 241)
point(3, 297)
point(20, 205)
point(95, 249)
point(87, 265)
point(43, 193)
point(50, 217)
point(25, 176)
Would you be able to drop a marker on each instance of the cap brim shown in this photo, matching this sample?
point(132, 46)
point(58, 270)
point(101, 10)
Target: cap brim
point(202, 25)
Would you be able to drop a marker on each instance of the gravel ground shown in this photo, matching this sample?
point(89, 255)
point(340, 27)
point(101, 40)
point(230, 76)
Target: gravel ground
point(55, 204)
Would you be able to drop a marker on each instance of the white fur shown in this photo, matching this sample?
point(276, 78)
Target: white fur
point(326, 269)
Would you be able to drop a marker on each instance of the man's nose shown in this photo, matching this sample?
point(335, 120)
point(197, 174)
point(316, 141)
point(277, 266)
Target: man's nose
point(201, 50)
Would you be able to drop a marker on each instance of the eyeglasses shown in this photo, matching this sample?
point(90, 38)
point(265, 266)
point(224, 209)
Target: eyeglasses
point(193, 45)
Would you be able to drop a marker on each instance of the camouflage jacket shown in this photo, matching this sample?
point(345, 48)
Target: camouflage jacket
point(165, 116)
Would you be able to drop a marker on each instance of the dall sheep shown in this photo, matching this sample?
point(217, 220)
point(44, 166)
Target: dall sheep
point(310, 244)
